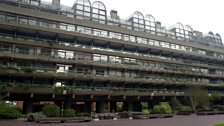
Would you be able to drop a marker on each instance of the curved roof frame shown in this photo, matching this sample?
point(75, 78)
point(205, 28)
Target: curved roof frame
point(83, 9)
point(217, 35)
point(99, 11)
point(138, 20)
point(83, 2)
point(189, 31)
point(180, 31)
point(99, 5)
point(138, 15)
point(150, 22)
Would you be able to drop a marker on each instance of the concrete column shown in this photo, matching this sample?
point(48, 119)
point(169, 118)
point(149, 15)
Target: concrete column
point(113, 106)
point(99, 107)
point(28, 106)
point(128, 106)
point(87, 107)
point(68, 103)
point(137, 106)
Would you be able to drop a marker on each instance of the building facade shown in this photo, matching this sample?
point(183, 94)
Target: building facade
point(79, 54)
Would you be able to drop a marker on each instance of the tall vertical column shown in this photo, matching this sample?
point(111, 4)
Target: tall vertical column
point(68, 103)
point(28, 106)
point(99, 106)
point(87, 107)
point(113, 106)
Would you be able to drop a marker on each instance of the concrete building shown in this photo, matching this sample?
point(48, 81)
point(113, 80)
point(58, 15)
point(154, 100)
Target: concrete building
point(80, 57)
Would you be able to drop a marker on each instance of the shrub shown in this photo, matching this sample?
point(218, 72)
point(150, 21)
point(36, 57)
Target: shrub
point(69, 113)
point(175, 104)
point(83, 114)
point(35, 116)
point(162, 108)
point(219, 107)
point(7, 112)
point(51, 110)
point(185, 108)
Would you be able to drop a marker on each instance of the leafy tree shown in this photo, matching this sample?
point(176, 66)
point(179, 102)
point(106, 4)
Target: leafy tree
point(198, 97)
point(213, 97)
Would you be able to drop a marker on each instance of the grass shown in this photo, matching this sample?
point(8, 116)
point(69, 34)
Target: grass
point(221, 124)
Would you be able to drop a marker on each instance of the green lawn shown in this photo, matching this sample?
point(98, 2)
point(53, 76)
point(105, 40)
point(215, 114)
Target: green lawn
point(221, 124)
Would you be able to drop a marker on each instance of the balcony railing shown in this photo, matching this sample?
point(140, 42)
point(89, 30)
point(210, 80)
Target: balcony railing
point(110, 76)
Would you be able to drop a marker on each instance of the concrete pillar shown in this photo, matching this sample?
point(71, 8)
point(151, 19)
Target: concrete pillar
point(28, 106)
point(113, 106)
point(68, 103)
point(87, 107)
point(99, 107)
point(137, 106)
point(128, 106)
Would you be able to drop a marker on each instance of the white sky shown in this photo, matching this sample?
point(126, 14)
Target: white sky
point(201, 15)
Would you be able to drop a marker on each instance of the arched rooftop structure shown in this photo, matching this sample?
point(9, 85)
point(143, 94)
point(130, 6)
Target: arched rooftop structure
point(137, 20)
point(99, 12)
point(179, 30)
point(189, 32)
point(212, 36)
point(82, 9)
point(150, 23)
point(218, 38)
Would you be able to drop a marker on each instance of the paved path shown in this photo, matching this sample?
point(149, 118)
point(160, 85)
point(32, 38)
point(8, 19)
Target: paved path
point(175, 121)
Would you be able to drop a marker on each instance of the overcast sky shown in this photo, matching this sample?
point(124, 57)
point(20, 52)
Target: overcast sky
point(201, 15)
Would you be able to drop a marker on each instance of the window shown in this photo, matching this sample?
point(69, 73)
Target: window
point(32, 22)
point(23, 20)
point(34, 2)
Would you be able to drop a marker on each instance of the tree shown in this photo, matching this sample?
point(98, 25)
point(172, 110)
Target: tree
point(213, 97)
point(199, 97)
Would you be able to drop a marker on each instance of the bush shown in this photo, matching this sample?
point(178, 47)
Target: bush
point(69, 113)
point(83, 114)
point(219, 107)
point(162, 108)
point(35, 116)
point(51, 111)
point(7, 112)
point(175, 104)
point(185, 108)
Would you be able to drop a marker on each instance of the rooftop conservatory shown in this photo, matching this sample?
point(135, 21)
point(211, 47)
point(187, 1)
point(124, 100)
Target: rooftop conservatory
point(97, 12)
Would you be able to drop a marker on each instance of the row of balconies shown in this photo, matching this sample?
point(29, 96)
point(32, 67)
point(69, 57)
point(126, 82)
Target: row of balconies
point(94, 76)
point(101, 39)
point(135, 67)
point(24, 88)
point(101, 51)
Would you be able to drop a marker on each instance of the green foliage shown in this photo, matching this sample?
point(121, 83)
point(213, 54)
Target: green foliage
point(83, 114)
point(219, 107)
point(35, 116)
point(119, 109)
point(185, 108)
point(26, 87)
point(7, 112)
point(146, 111)
point(198, 97)
point(69, 113)
point(51, 111)
point(28, 69)
point(162, 108)
point(144, 105)
point(175, 104)
point(61, 89)
point(221, 124)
